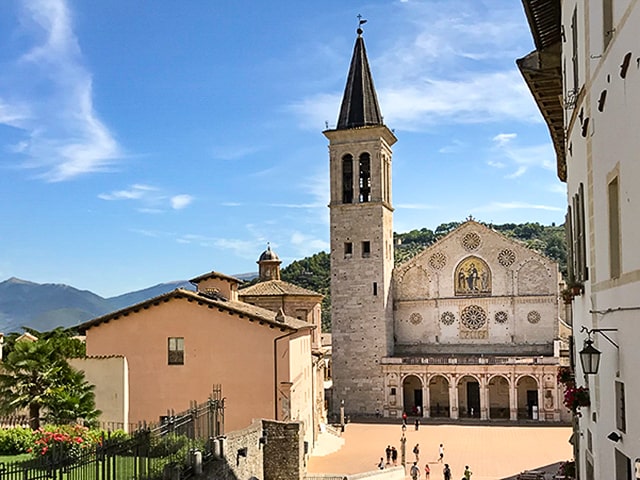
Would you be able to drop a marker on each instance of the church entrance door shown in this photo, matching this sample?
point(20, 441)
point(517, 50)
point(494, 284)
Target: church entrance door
point(473, 399)
point(412, 394)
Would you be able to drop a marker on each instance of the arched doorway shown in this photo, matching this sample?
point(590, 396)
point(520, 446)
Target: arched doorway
point(527, 394)
point(469, 397)
point(412, 395)
point(498, 397)
point(439, 396)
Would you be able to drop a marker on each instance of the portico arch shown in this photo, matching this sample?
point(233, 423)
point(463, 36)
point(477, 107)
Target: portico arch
point(468, 396)
point(412, 394)
point(498, 388)
point(439, 396)
point(527, 397)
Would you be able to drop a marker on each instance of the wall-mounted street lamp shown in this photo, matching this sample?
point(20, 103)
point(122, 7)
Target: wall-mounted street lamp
point(590, 355)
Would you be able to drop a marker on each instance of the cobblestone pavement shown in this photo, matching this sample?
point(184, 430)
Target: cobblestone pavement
point(492, 452)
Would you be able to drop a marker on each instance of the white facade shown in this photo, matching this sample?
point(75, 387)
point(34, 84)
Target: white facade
point(600, 62)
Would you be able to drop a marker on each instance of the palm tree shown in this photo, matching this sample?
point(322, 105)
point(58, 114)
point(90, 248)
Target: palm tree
point(29, 375)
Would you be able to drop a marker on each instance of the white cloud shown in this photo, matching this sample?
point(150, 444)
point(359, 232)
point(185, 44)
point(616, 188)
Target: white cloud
point(152, 199)
point(64, 137)
point(507, 151)
point(179, 202)
point(504, 138)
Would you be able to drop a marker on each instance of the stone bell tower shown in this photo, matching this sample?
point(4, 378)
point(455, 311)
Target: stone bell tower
point(361, 218)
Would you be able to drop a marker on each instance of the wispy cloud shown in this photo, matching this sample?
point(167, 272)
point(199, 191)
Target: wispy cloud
point(233, 152)
point(508, 152)
point(63, 135)
point(152, 199)
point(444, 63)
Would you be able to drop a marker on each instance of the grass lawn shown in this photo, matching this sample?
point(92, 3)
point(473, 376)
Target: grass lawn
point(14, 458)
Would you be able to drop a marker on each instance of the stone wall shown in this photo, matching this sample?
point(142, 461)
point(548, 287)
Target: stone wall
point(266, 450)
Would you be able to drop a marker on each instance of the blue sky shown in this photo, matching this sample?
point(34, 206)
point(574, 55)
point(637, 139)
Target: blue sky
point(150, 141)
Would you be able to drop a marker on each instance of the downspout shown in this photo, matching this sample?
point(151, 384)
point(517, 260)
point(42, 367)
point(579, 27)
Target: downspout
point(275, 371)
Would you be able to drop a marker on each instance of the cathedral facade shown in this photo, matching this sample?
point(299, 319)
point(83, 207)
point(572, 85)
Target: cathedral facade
point(469, 327)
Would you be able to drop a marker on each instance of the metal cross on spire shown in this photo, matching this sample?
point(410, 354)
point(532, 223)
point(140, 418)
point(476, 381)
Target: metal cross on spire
point(361, 21)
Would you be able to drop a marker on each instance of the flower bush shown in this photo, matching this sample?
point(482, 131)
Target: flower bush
point(61, 444)
point(576, 397)
point(15, 440)
point(567, 469)
point(565, 376)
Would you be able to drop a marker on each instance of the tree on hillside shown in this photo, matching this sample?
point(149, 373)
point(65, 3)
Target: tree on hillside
point(36, 376)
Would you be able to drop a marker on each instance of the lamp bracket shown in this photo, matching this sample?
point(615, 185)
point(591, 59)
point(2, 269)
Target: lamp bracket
point(601, 331)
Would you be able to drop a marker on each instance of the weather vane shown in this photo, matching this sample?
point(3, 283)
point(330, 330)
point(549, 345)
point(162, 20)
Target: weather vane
point(361, 21)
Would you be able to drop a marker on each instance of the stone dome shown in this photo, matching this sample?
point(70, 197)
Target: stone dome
point(268, 255)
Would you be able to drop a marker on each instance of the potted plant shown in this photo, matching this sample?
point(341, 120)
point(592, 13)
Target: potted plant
point(576, 397)
point(567, 296)
point(576, 289)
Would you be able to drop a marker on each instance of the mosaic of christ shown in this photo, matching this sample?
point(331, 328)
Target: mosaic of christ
point(472, 277)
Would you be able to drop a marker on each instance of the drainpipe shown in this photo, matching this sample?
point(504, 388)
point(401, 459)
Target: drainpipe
point(275, 371)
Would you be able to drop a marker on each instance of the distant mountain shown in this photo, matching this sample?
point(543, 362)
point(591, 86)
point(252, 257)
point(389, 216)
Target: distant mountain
point(46, 306)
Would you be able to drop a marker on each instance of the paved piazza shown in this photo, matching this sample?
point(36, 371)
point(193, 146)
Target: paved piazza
point(492, 452)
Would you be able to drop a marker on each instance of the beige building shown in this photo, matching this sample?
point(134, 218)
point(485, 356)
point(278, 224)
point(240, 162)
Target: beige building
point(468, 328)
point(178, 345)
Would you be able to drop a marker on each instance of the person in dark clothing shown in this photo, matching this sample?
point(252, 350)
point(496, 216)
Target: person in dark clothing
point(388, 452)
point(446, 472)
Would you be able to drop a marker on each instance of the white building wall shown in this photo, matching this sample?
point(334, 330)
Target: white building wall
point(608, 148)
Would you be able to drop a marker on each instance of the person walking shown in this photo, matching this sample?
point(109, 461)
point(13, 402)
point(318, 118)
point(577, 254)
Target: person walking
point(446, 473)
point(394, 455)
point(417, 424)
point(416, 452)
point(427, 471)
point(387, 451)
point(441, 453)
point(467, 473)
point(415, 471)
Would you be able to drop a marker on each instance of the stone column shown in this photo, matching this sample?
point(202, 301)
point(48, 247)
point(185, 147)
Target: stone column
point(453, 398)
point(541, 415)
point(426, 399)
point(484, 398)
point(513, 398)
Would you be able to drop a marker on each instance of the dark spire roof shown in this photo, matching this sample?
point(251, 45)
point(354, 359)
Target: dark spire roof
point(359, 103)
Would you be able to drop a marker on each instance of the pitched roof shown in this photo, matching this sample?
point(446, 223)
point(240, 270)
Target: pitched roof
point(213, 274)
point(359, 104)
point(244, 310)
point(276, 287)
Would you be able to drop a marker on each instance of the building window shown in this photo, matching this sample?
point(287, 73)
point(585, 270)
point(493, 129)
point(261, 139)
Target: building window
point(574, 49)
point(365, 178)
point(607, 22)
point(176, 351)
point(348, 249)
point(375, 288)
point(621, 416)
point(614, 228)
point(393, 391)
point(366, 249)
point(347, 179)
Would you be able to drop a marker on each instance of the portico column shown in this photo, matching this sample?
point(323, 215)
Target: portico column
point(540, 399)
point(484, 404)
point(513, 398)
point(453, 398)
point(426, 403)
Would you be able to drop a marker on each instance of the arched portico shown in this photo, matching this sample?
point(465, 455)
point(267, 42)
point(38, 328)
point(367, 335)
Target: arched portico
point(527, 397)
point(468, 397)
point(439, 396)
point(498, 388)
point(412, 400)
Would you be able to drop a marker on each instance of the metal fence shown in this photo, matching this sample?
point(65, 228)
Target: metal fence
point(152, 452)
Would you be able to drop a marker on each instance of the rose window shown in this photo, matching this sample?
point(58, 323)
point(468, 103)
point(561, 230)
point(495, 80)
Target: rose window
point(415, 318)
point(448, 318)
point(437, 260)
point(506, 257)
point(501, 317)
point(473, 317)
point(471, 241)
point(533, 316)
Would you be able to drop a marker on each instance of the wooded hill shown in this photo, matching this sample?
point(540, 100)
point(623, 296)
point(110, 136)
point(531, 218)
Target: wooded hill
point(314, 272)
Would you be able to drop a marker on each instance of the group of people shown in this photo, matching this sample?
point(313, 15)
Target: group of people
point(392, 457)
point(446, 472)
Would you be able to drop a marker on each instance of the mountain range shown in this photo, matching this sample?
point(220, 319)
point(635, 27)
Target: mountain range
point(45, 306)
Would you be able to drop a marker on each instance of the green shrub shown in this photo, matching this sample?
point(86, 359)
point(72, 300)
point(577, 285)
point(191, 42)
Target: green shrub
point(16, 440)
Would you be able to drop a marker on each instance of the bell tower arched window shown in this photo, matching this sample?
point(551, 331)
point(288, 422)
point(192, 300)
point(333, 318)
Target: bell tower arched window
point(365, 178)
point(347, 179)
